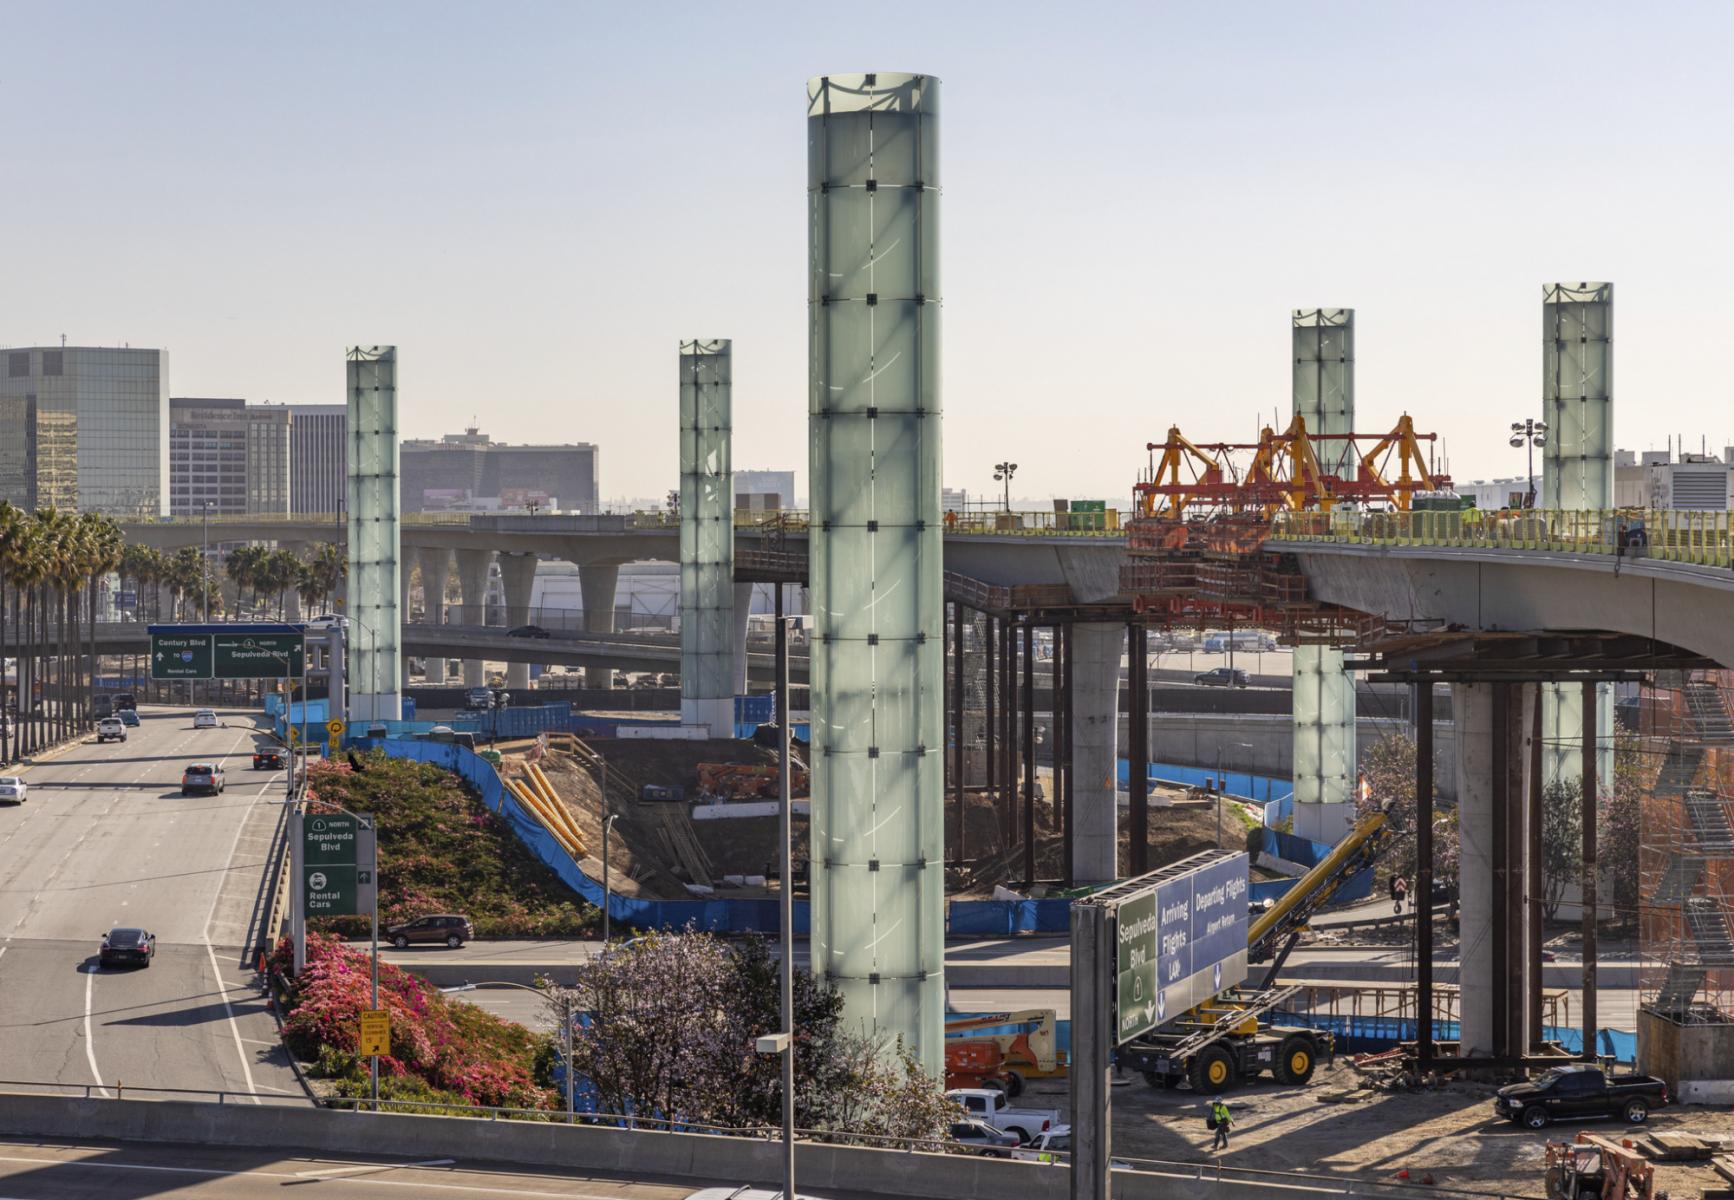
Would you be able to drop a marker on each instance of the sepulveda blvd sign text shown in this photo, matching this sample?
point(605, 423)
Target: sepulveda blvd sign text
point(228, 651)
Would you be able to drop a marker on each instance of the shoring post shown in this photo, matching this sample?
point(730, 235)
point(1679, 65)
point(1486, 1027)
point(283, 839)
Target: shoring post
point(1029, 707)
point(1138, 746)
point(959, 756)
point(1423, 894)
point(1590, 901)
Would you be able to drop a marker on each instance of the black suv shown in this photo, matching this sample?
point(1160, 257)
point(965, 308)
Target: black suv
point(449, 928)
point(1221, 677)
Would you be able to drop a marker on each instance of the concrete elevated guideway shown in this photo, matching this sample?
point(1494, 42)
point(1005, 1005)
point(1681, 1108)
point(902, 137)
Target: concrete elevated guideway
point(107, 839)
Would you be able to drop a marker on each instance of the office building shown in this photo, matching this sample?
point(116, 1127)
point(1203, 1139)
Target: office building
point(765, 490)
point(318, 457)
point(470, 471)
point(226, 456)
point(85, 429)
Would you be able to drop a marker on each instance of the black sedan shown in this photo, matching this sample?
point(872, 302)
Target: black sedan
point(528, 631)
point(123, 946)
point(268, 759)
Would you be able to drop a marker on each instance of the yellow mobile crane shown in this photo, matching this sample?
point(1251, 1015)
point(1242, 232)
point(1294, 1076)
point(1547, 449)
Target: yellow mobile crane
point(1217, 1044)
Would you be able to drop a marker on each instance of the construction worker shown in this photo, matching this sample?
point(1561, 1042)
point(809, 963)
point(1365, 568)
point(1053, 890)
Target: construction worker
point(1220, 1121)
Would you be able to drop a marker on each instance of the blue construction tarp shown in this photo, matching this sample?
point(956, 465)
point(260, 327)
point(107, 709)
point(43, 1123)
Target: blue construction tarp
point(1306, 853)
point(1262, 788)
point(1367, 1034)
point(718, 916)
point(1005, 918)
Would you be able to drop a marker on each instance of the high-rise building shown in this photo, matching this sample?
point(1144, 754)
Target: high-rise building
point(470, 470)
point(85, 429)
point(226, 456)
point(318, 457)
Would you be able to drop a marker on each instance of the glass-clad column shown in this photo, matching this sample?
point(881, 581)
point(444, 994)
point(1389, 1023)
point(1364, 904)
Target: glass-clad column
point(1577, 472)
point(374, 630)
point(1324, 694)
point(878, 917)
point(707, 536)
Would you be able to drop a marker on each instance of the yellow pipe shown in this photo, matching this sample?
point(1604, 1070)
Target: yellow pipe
point(555, 803)
point(1365, 828)
point(540, 811)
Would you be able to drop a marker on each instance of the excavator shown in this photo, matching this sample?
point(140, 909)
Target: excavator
point(1226, 1040)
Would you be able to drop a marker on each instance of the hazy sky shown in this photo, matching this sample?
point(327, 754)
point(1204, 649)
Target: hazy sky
point(536, 202)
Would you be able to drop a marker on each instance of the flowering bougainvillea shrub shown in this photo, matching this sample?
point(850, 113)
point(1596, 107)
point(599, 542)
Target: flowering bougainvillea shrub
point(441, 850)
point(442, 1050)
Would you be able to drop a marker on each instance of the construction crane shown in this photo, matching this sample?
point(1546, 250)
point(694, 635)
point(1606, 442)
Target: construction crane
point(1275, 933)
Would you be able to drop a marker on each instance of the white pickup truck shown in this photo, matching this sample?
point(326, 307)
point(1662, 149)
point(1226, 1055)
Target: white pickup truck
point(989, 1104)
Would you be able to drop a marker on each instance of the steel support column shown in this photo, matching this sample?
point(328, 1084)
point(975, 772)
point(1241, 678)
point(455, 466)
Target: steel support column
point(1061, 675)
point(1423, 893)
point(1138, 747)
point(1590, 779)
point(1029, 707)
point(990, 738)
point(959, 756)
point(1503, 803)
point(1008, 639)
point(1534, 887)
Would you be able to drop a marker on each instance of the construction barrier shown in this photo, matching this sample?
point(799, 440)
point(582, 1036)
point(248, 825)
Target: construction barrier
point(1259, 788)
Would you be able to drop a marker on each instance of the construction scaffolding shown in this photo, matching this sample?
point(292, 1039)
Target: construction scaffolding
point(1686, 848)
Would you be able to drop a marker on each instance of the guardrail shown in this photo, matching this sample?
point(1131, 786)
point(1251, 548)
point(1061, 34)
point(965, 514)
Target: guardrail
point(1699, 538)
point(610, 1142)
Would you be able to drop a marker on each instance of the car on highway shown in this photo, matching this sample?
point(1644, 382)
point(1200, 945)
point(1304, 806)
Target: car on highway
point(528, 631)
point(126, 946)
point(478, 697)
point(111, 729)
point(267, 758)
point(990, 1105)
point(203, 777)
point(983, 1138)
point(13, 789)
point(101, 706)
point(1221, 677)
point(128, 717)
point(1580, 1091)
point(448, 928)
point(124, 701)
point(204, 719)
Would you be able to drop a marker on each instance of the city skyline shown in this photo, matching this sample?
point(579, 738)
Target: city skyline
point(1205, 174)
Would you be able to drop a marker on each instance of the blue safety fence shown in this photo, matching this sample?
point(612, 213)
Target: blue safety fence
point(716, 916)
point(1006, 918)
point(1363, 1034)
point(1262, 788)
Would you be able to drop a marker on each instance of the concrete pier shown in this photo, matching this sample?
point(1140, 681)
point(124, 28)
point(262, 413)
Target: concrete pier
point(1096, 651)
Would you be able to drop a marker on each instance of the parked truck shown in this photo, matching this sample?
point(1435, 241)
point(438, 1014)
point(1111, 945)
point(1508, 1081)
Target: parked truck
point(1580, 1090)
point(991, 1105)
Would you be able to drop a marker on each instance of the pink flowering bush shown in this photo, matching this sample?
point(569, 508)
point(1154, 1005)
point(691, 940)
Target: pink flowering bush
point(442, 1049)
point(442, 850)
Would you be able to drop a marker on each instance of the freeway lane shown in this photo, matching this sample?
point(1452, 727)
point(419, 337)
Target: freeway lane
point(107, 839)
point(39, 1171)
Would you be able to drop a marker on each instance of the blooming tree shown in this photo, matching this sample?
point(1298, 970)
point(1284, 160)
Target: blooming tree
point(1388, 769)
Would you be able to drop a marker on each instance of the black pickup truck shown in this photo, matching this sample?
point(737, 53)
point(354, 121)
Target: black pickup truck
point(1580, 1091)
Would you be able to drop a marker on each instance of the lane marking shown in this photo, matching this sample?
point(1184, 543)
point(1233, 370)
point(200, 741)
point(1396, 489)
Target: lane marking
point(89, 1039)
point(432, 1162)
point(213, 1172)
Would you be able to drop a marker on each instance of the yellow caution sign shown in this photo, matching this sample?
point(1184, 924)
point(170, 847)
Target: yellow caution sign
point(294, 735)
point(375, 1033)
point(335, 727)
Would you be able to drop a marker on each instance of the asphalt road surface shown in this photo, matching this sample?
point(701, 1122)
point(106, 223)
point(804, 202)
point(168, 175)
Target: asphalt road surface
point(39, 1171)
point(107, 839)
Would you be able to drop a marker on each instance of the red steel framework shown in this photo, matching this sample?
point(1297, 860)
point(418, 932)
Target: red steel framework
point(1196, 544)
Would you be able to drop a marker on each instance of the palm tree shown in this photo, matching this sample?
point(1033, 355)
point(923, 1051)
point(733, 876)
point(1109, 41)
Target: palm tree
point(11, 551)
point(323, 574)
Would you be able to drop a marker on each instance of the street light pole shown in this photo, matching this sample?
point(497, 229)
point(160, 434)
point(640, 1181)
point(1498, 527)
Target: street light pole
point(1529, 433)
point(785, 829)
point(1003, 472)
point(607, 898)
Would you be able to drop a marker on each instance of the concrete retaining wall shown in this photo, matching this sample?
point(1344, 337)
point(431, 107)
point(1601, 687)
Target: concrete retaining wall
point(704, 1160)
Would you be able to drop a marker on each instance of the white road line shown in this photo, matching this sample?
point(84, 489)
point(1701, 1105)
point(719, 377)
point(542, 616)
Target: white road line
point(49, 1163)
point(89, 1040)
point(432, 1162)
point(210, 952)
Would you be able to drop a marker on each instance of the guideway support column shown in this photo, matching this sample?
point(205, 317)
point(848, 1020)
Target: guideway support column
point(597, 584)
point(292, 599)
point(743, 610)
point(473, 582)
point(1498, 951)
point(1095, 673)
point(436, 575)
point(518, 579)
point(406, 557)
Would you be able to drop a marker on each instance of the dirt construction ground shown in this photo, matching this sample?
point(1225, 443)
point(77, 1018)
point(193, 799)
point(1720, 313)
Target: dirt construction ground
point(1334, 1127)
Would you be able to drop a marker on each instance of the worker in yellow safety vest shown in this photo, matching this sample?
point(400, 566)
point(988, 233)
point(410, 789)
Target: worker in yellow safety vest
point(1220, 1120)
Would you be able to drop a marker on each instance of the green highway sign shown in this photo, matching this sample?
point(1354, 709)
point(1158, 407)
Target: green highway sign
point(180, 656)
point(257, 655)
point(329, 840)
point(1137, 996)
point(330, 890)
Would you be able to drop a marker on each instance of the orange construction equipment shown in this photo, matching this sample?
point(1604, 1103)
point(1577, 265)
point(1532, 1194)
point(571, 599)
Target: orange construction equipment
point(1030, 1052)
point(1593, 1165)
point(976, 1064)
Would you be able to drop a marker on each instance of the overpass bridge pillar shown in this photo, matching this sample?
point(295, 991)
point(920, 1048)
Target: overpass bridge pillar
point(518, 580)
point(406, 558)
point(743, 610)
point(1095, 719)
point(1499, 872)
point(598, 583)
point(473, 580)
point(292, 599)
point(436, 576)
